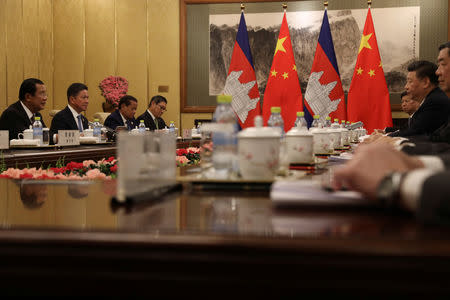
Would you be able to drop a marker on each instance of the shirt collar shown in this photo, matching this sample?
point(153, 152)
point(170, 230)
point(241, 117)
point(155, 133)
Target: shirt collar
point(27, 110)
point(123, 118)
point(153, 117)
point(74, 112)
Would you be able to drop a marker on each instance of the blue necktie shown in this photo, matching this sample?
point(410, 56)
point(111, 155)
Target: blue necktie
point(80, 125)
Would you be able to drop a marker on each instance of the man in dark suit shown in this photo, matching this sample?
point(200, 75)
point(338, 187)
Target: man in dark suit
point(70, 118)
point(20, 115)
point(124, 115)
point(422, 85)
point(417, 184)
point(409, 106)
point(152, 116)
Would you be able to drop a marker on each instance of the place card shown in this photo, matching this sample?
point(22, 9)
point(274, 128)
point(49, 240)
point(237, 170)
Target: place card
point(4, 139)
point(68, 137)
point(187, 134)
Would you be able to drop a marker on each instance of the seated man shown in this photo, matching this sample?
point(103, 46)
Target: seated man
point(409, 106)
point(20, 115)
point(124, 115)
point(422, 85)
point(152, 116)
point(70, 118)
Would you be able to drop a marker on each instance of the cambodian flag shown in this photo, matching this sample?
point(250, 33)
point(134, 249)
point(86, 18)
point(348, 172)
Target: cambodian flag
point(324, 95)
point(241, 81)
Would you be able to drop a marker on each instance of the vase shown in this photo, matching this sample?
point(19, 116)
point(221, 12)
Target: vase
point(108, 107)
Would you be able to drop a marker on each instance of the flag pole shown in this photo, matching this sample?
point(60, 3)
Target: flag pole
point(325, 5)
point(284, 7)
point(242, 7)
point(369, 3)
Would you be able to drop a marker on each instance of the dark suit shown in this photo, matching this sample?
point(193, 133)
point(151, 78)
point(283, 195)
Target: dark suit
point(434, 202)
point(149, 123)
point(115, 119)
point(64, 120)
point(15, 120)
point(433, 112)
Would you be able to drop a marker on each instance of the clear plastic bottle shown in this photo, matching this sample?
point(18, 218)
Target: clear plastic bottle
point(335, 123)
point(172, 127)
point(327, 122)
point(141, 127)
point(37, 130)
point(97, 130)
point(275, 119)
point(316, 122)
point(300, 122)
point(224, 138)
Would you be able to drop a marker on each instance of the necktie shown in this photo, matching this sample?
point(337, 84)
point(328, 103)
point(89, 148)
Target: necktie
point(80, 125)
point(130, 127)
point(156, 122)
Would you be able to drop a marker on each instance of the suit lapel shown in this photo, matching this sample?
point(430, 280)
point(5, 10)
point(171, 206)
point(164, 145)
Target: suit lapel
point(23, 113)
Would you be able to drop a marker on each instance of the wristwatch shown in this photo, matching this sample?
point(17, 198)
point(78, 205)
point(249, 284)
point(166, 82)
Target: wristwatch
point(388, 191)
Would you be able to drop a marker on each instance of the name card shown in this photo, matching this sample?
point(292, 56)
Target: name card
point(68, 137)
point(187, 134)
point(4, 139)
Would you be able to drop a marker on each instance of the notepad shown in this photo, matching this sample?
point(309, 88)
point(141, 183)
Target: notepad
point(308, 192)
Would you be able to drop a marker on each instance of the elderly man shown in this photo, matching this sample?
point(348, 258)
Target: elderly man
point(124, 115)
point(422, 85)
point(20, 115)
point(409, 106)
point(418, 184)
point(152, 116)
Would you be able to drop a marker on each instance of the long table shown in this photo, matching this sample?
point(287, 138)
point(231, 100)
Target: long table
point(73, 239)
point(44, 157)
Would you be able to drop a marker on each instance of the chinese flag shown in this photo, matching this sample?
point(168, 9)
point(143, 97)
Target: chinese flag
point(283, 86)
point(241, 80)
point(368, 96)
point(324, 95)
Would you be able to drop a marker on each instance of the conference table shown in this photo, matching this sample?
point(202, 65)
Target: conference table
point(62, 237)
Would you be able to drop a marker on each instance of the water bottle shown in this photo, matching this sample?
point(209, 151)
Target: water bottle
point(275, 119)
point(141, 127)
point(300, 122)
point(37, 130)
point(224, 137)
point(335, 123)
point(327, 122)
point(97, 130)
point(316, 123)
point(172, 127)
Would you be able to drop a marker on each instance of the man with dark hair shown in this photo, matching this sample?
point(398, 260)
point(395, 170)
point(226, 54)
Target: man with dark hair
point(70, 118)
point(409, 106)
point(422, 85)
point(443, 71)
point(152, 116)
point(20, 115)
point(124, 115)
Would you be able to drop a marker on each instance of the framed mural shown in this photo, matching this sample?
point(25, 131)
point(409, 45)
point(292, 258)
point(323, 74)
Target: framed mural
point(208, 30)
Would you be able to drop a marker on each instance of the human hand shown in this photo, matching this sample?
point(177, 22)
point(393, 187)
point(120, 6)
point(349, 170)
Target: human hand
point(369, 165)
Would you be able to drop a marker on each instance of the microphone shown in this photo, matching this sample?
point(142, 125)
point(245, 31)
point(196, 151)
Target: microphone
point(355, 125)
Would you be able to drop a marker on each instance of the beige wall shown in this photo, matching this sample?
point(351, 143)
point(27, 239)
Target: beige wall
point(65, 41)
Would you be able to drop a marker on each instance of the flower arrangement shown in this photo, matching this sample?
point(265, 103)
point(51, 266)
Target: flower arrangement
point(88, 169)
point(113, 88)
point(188, 156)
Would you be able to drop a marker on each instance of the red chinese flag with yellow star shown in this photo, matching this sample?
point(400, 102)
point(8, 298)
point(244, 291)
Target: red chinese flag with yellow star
point(283, 86)
point(368, 96)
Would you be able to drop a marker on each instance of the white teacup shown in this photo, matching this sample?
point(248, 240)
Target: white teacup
point(299, 146)
point(258, 151)
point(27, 134)
point(88, 132)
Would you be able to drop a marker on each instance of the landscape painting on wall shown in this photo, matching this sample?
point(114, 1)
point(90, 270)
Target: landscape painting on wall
point(396, 29)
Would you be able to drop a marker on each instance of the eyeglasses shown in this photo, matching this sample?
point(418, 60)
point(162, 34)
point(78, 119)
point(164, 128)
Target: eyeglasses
point(163, 108)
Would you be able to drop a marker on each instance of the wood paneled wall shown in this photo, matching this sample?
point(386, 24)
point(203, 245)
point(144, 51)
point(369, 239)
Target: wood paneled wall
point(66, 41)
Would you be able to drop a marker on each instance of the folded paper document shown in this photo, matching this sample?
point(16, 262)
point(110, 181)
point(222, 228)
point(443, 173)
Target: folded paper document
point(24, 142)
point(308, 192)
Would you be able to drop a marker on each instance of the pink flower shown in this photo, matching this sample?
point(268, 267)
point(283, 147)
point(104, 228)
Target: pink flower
point(193, 150)
point(182, 160)
point(95, 174)
point(87, 163)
